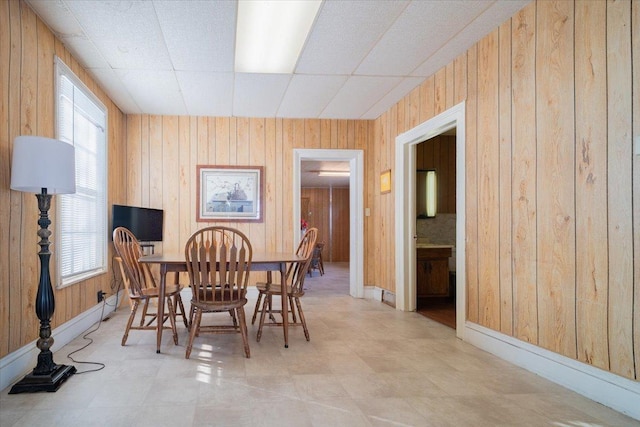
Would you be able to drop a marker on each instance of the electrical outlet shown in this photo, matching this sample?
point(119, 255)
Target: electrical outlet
point(100, 296)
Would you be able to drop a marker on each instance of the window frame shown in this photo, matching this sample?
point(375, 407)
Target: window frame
point(62, 70)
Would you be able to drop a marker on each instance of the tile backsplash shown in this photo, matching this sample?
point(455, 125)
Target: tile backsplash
point(440, 230)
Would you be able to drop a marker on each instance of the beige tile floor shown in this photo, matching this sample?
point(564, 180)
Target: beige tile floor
point(366, 365)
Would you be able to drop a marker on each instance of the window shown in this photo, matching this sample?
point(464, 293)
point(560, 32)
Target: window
point(82, 217)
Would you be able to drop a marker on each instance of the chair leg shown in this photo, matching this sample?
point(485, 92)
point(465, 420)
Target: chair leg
point(195, 325)
point(192, 312)
point(302, 320)
point(256, 309)
point(144, 313)
point(262, 314)
point(233, 316)
point(243, 331)
point(134, 308)
point(178, 304)
point(293, 312)
point(172, 320)
point(270, 299)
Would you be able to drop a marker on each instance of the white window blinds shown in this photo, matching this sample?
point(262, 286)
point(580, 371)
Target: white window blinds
point(82, 217)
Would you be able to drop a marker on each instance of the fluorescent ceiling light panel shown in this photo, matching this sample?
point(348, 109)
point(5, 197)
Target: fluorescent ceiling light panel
point(270, 34)
point(333, 173)
point(432, 193)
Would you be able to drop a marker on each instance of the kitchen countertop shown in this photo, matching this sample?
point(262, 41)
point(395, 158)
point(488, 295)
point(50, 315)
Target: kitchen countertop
point(432, 246)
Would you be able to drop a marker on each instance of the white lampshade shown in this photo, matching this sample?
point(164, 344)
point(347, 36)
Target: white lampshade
point(40, 162)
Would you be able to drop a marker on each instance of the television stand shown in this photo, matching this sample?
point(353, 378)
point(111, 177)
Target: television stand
point(144, 247)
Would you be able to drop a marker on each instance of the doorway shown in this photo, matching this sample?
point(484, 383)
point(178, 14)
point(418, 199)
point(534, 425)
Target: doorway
point(405, 153)
point(324, 204)
point(355, 158)
point(436, 228)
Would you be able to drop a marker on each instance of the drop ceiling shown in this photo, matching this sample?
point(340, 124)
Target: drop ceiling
point(309, 174)
point(177, 57)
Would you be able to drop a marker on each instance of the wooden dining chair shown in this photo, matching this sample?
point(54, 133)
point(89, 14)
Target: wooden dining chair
point(294, 282)
point(304, 248)
point(316, 260)
point(141, 286)
point(218, 263)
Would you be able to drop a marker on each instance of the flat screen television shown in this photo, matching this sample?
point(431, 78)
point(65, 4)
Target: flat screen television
point(145, 223)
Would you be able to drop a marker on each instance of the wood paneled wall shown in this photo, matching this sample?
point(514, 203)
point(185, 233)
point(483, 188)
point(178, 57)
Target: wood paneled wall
point(317, 215)
point(27, 49)
point(439, 153)
point(340, 217)
point(163, 152)
point(328, 210)
point(552, 184)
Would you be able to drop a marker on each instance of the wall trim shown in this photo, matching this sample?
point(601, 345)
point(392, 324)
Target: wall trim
point(15, 365)
point(616, 392)
point(405, 225)
point(356, 206)
point(373, 292)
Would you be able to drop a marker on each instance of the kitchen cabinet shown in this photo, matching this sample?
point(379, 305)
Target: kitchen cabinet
point(432, 275)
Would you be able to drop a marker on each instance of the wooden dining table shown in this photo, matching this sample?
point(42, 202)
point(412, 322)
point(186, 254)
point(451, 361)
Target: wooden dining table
point(261, 261)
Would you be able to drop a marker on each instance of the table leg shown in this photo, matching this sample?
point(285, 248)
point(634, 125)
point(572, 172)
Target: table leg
point(161, 293)
point(285, 303)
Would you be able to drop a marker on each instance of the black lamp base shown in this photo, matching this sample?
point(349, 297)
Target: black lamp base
point(46, 376)
point(51, 382)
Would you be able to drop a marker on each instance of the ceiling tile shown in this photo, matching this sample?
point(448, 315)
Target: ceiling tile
point(405, 86)
point(500, 11)
point(309, 174)
point(111, 84)
point(344, 33)
point(307, 96)
point(127, 32)
point(113, 19)
point(422, 28)
point(57, 16)
point(207, 94)
point(89, 56)
point(156, 92)
point(258, 95)
point(198, 34)
point(357, 95)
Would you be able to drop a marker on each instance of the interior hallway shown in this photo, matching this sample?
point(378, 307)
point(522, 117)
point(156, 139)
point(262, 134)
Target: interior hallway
point(366, 365)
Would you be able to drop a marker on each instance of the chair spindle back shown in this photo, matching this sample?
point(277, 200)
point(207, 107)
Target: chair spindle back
point(137, 275)
point(305, 250)
point(218, 262)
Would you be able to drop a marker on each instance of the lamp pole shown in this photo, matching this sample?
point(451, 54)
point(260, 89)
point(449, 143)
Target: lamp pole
point(47, 375)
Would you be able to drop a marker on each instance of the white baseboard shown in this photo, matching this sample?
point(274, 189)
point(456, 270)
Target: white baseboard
point(373, 292)
point(601, 386)
point(17, 364)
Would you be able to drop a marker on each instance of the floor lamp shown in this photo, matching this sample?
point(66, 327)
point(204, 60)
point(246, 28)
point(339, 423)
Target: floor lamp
point(43, 166)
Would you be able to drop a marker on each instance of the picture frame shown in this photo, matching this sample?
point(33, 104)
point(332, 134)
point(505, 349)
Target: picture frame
point(229, 193)
point(385, 182)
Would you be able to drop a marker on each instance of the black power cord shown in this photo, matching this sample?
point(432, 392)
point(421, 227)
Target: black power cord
point(115, 285)
point(101, 366)
point(85, 337)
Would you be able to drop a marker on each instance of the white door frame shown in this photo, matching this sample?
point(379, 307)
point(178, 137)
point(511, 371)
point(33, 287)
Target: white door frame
point(405, 207)
point(356, 202)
